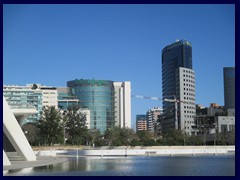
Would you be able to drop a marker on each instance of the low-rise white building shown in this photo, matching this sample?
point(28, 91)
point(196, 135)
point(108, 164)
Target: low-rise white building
point(50, 94)
point(225, 123)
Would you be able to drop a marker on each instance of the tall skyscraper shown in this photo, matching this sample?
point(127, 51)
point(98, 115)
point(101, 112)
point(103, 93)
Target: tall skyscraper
point(178, 82)
point(229, 87)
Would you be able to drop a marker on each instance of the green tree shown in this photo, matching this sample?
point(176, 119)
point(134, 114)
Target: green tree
point(50, 125)
point(194, 140)
point(145, 138)
point(117, 136)
point(93, 137)
point(76, 128)
point(232, 137)
point(31, 132)
point(174, 137)
point(34, 86)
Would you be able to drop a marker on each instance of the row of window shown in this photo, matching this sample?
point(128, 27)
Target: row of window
point(51, 97)
point(188, 71)
point(22, 93)
point(51, 102)
point(228, 119)
point(190, 94)
point(189, 76)
point(189, 122)
point(189, 107)
point(189, 98)
point(189, 80)
point(189, 116)
point(49, 93)
point(189, 85)
point(190, 112)
point(189, 89)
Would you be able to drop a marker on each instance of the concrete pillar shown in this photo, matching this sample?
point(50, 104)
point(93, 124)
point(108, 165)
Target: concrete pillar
point(6, 161)
point(15, 134)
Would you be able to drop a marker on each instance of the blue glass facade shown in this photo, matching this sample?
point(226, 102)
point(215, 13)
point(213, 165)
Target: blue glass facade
point(65, 100)
point(98, 96)
point(175, 55)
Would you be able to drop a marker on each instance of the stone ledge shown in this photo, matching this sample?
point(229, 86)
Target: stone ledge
point(41, 161)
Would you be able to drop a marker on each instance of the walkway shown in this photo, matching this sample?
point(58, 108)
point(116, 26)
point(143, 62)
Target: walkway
point(41, 161)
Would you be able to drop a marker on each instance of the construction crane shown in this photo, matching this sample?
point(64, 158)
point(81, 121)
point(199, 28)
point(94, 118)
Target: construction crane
point(163, 99)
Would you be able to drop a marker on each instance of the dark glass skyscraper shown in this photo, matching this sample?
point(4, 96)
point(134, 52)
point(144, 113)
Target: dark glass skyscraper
point(178, 81)
point(229, 87)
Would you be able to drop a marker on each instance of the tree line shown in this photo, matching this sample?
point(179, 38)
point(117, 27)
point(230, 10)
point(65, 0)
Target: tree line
point(69, 127)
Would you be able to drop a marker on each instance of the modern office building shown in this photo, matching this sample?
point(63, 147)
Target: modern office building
point(229, 87)
point(30, 96)
point(109, 102)
point(65, 99)
point(141, 122)
point(152, 117)
point(178, 83)
point(23, 97)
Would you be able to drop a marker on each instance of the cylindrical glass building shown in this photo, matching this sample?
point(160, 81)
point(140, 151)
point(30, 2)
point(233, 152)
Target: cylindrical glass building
point(98, 97)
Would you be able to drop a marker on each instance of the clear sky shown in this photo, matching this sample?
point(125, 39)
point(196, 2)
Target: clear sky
point(52, 44)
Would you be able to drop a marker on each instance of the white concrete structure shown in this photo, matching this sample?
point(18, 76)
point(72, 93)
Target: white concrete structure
point(14, 133)
point(50, 95)
point(6, 161)
point(225, 123)
point(145, 151)
point(21, 114)
point(185, 79)
point(123, 103)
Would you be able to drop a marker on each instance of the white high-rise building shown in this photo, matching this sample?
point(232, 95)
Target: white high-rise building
point(122, 104)
point(185, 89)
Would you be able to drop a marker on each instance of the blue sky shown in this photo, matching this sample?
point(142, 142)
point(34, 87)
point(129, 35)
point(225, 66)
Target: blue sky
point(52, 44)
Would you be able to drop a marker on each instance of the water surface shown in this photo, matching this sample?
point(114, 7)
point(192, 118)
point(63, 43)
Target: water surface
point(207, 165)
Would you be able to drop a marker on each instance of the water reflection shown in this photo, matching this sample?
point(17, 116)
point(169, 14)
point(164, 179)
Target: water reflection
point(129, 166)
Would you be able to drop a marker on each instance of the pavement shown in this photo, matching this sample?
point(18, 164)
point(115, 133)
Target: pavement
point(41, 161)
